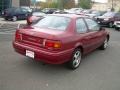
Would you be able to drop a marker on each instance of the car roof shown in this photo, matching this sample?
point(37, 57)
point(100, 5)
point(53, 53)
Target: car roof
point(73, 16)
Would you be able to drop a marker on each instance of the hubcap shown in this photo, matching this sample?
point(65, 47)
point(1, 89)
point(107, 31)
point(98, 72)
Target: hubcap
point(77, 59)
point(14, 18)
point(106, 43)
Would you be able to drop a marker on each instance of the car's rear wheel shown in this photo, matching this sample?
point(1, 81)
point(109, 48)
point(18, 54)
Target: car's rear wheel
point(76, 59)
point(14, 18)
point(116, 28)
point(105, 44)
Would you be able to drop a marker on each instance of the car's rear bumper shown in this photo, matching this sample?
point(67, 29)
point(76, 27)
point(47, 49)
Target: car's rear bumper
point(44, 55)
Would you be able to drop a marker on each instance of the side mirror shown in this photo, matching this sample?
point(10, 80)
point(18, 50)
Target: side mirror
point(102, 28)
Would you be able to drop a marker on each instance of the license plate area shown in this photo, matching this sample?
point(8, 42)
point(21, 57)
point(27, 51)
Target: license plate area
point(30, 54)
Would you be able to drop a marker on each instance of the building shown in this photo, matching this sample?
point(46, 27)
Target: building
point(5, 4)
point(100, 6)
point(105, 6)
point(13, 3)
point(24, 2)
point(114, 4)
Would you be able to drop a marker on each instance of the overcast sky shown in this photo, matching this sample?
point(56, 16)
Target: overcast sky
point(103, 1)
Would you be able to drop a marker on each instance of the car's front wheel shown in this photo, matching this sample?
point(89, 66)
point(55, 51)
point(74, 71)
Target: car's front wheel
point(76, 59)
point(116, 28)
point(14, 18)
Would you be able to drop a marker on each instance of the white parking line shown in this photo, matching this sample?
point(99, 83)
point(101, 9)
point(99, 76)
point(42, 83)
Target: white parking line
point(9, 28)
point(6, 33)
point(1, 24)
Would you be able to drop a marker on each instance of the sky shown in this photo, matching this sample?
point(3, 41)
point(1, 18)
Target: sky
point(102, 1)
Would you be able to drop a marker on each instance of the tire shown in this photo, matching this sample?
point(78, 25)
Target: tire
point(105, 44)
point(14, 18)
point(76, 59)
point(6, 19)
point(110, 25)
point(116, 28)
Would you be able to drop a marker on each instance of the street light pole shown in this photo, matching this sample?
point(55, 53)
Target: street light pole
point(112, 5)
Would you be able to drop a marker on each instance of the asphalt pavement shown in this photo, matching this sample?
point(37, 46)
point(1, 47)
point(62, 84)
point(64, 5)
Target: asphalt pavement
point(99, 70)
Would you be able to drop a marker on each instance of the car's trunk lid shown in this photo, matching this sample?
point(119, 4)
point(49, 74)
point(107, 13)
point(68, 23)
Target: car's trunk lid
point(36, 36)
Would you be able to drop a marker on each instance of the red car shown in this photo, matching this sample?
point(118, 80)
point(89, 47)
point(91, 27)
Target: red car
point(58, 39)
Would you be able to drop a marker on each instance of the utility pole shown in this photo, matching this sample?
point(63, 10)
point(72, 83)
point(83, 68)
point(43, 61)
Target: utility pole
point(112, 6)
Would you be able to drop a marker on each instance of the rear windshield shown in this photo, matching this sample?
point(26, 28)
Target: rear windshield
point(53, 22)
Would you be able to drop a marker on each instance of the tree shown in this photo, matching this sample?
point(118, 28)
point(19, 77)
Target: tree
point(85, 4)
point(69, 4)
point(61, 4)
point(66, 4)
point(48, 5)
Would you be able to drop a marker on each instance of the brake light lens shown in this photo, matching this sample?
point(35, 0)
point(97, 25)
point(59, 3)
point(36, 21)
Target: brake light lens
point(18, 36)
point(52, 44)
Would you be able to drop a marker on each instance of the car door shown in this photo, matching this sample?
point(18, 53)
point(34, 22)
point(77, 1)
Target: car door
point(96, 35)
point(83, 36)
point(18, 13)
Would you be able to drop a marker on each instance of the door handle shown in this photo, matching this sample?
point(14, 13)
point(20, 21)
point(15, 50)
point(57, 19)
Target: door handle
point(88, 37)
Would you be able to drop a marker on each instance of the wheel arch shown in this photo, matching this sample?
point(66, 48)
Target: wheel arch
point(108, 37)
point(79, 46)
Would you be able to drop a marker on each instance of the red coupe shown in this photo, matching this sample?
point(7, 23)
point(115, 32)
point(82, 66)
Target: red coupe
point(58, 39)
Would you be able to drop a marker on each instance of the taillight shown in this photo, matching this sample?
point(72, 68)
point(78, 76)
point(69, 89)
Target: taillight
point(18, 36)
point(52, 44)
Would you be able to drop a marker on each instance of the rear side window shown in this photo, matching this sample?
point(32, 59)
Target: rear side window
point(81, 26)
point(18, 10)
point(92, 25)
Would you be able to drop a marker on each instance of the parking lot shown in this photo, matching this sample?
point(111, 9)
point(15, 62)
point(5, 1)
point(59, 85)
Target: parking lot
point(8, 27)
point(99, 70)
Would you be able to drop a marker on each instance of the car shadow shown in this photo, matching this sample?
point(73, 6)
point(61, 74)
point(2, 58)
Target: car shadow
point(38, 65)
